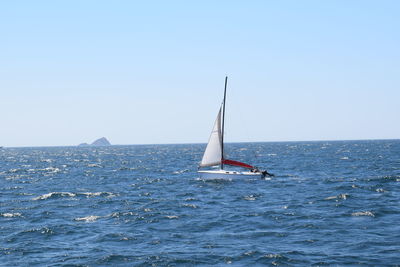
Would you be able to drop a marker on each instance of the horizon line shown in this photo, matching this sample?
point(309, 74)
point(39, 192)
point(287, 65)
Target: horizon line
point(195, 143)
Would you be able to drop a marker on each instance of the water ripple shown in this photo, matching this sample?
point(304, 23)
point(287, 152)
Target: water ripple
point(330, 203)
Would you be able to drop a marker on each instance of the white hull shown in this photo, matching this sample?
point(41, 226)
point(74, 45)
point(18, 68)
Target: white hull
point(224, 174)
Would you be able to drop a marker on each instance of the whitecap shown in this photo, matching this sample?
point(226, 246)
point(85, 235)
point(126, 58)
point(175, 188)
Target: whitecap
point(344, 158)
point(10, 215)
point(95, 165)
point(49, 195)
point(172, 217)
point(250, 198)
point(363, 213)
point(249, 253)
point(15, 177)
point(190, 206)
point(90, 218)
point(181, 171)
point(92, 194)
point(52, 169)
point(25, 194)
point(14, 170)
point(331, 197)
point(342, 196)
point(119, 214)
point(48, 169)
point(96, 194)
point(272, 256)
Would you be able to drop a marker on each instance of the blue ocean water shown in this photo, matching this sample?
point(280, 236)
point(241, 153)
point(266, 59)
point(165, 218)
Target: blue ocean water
point(330, 203)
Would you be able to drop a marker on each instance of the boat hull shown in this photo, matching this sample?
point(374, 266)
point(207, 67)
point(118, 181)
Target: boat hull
point(224, 174)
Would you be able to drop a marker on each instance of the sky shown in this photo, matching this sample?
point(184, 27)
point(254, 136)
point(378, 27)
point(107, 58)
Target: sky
point(151, 72)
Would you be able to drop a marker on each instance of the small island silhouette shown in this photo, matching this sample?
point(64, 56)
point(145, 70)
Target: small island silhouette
point(99, 142)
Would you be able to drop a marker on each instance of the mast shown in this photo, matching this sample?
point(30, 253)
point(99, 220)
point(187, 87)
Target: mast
point(223, 125)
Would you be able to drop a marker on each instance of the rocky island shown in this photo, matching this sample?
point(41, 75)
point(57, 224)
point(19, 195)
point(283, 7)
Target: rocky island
point(99, 142)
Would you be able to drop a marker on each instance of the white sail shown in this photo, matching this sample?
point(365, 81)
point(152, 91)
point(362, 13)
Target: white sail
point(213, 153)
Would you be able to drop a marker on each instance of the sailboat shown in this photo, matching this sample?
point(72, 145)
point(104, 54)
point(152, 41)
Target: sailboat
point(214, 155)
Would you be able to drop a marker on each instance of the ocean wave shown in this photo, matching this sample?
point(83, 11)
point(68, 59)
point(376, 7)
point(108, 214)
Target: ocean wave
point(119, 214)
point(15, 170)
point(51, 169)
point(43, 230)
point(193, 206)
point(54, 194)
point(181, 171)
point(90, 218)
point(15, 177)
point(363, 213)
point(94, 165)
point(125, 169)
point(10, 215)
point(171, 217)
point(272, 256)
point(340, 196)
point(69, 194)
point(250, 197)
point(310, 203)
point(96, 194)
point(48, 169)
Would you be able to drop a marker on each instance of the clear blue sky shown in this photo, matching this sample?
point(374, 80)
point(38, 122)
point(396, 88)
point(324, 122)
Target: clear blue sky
point(153, 71)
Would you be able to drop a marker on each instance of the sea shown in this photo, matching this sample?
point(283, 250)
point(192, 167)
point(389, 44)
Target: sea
point(330, 203)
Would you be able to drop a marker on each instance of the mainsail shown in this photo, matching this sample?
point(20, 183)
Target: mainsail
point(213, 153)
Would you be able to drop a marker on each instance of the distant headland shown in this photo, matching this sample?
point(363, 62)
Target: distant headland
point(99, 142)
